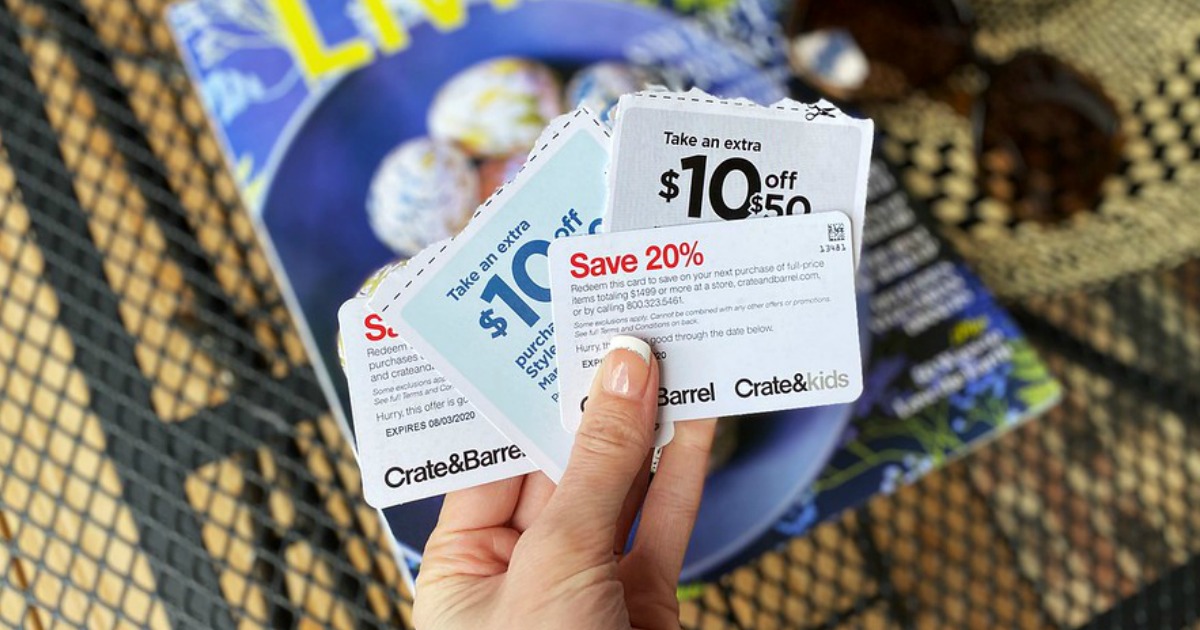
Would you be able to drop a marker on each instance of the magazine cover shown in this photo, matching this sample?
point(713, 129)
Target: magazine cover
point(324, 107)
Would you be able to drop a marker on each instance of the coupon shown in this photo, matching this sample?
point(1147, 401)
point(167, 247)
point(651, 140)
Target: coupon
point(689, 157)
point(417, 436)
point(479, 311)
point(744, 317)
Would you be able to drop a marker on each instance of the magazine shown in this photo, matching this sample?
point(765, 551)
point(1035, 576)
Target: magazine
point(309, 99)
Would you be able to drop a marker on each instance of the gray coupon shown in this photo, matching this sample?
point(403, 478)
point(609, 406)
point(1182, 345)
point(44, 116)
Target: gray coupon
point(682, 158)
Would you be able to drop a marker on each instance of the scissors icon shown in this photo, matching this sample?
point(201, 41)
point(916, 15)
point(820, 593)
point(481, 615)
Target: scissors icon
point(816, 111)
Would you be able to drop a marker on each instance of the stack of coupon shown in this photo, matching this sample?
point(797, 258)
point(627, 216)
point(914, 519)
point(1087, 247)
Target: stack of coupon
point(471, 362)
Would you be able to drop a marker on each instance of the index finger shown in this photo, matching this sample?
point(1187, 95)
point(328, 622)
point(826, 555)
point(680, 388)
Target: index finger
point(611, 445)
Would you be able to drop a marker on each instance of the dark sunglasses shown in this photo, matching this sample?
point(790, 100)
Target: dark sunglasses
point(1047, 135)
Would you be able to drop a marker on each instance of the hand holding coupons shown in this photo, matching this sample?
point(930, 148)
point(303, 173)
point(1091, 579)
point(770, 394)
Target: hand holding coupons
point(516, 312)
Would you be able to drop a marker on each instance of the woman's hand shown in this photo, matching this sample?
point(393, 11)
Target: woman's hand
point(523, 553)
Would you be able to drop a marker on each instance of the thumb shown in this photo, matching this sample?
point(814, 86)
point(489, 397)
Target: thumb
point(612, 442)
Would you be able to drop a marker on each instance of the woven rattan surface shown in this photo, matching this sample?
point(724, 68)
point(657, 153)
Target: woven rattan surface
point(167, 459)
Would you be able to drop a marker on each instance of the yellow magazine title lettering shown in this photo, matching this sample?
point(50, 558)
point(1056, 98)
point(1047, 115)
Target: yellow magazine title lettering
point(318, 58)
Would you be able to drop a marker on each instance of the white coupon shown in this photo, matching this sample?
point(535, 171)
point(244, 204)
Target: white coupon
point(682, 158)
point(417, 436)
point(745, 317)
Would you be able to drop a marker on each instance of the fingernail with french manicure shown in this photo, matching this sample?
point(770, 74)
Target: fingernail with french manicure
point(626, 367)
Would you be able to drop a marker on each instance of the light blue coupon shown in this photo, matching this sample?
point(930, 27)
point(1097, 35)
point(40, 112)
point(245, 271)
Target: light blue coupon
point(479, 311)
